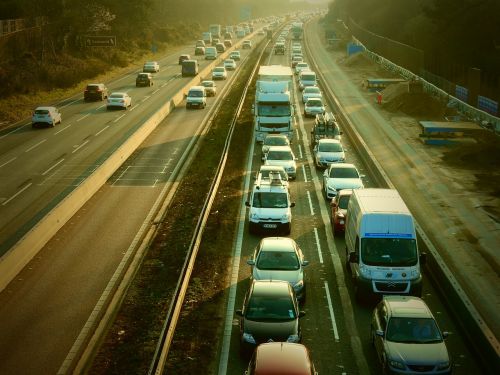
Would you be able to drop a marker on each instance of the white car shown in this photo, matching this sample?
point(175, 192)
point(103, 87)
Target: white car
point(219, 72)
point(230, 64)
point(311, 92)
point(301, 66)
point(328, 151)
point(151, 67)
point(235, 55)
point(119, 100)
point(273, 140)
point(340, 176)
point(46, 116)
point(266, 170)
point(210, 87)
point(313, 107)
point(282, 156)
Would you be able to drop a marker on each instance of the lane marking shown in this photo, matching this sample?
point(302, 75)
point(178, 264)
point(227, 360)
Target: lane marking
point(145, 98)
point(35, 146)
point(13, 131)
point(166, 83)
point(74, 101)
point(134, 107)
point(102, 106)
point(100, 131)
point(51, 168)
point(300, 152)
point(79, 147)
point(310, 203)
point(63, 129)
point(332, 315)
point(81, 118)
point(8, 161)
point(318, 245)
point(304, 172)
point(298, 134)
point(118, 118)
point(154, 92)
point(15, 195)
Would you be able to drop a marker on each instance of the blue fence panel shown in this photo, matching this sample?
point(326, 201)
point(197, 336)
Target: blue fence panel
point(487, 105)
point(462, 93)
point(354, 48)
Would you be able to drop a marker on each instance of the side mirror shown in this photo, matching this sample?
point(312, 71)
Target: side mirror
point(292, 204)
point(239, 312)
point(362, 175)
point(353, 257)
point(341, 132)
point(247, 203)
point(251, 262)
point(305, 263)
point(379, 332)
point(325, 173)
point(315, 149)
point(445, 334)
point(302, 313)
point(333, 204)
point(423, 258)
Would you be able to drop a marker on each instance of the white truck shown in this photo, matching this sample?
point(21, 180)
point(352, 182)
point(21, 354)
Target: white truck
point(273, 109)
point(381, 245)
point(215, 30)
point(207, 38)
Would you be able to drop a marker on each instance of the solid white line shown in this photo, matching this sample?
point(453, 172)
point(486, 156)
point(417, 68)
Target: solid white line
point(8, 161)
point(304, 172)
point(15, 195)
point(100, 131)
point(134, 107)
point(118, 118)
point(79, 147)
point(121, 174)
point(81, 118)
point(55, 165)
point(35, 146)
point(145, 98)
point(300, 152)
point(154, 92)
point(332, 315)
point(63, 129)
point(310, 203)
point(318, 245)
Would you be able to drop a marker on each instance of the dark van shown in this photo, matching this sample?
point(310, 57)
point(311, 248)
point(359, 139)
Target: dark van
point(189, 68)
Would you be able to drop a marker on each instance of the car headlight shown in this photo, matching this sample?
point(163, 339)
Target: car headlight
point(247, 337)
point(293, 338)
point(365, 271)
point(397, 364)
point(443, 365)
point(253, 215)
point(286, 217)
point(299, 285)
point(331, 188)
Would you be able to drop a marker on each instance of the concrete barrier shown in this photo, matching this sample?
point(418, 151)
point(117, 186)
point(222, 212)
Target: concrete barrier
point(12, 262)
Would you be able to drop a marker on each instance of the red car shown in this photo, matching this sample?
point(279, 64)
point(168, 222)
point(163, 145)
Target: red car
point(278, 358)
point(338, 210)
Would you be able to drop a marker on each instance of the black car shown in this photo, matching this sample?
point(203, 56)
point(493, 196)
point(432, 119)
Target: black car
point(184, 58)
point(95, 91)
point(270, 312)
point(144, 79)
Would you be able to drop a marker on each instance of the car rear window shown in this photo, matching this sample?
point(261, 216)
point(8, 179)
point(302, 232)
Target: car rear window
point(92, 87)
point(41, 112)
point(116, 96)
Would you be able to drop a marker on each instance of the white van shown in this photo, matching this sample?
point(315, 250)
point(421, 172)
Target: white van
point(196, 97)
point(307, 78)
point(210, 53)
point(381, 244)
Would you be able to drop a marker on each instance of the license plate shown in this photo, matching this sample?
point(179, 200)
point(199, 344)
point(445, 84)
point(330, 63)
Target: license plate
point(271, 226)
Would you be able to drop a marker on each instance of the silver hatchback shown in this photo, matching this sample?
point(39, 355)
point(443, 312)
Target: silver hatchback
point(49, 116)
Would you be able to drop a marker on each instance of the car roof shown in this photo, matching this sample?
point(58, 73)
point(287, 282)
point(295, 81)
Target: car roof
point(208, 81)
point(270, 288)
point(272, 168)
point(276, 358)
point(150, 62)
point(281, 244)
point(407, 307)
point(118, 93)
point(44, 108)
point(343, 192)
point(342, 165)
point(95, 84)
point(328, 140)
point(280, 148)
point(276, 136)
point(197, 88)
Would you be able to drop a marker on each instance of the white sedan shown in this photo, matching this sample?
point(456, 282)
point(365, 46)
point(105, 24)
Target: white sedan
point(311, 92)
point(230, 64)
point(219, 72)
point(119, 100)
point(313, 107)
point(340, 176)
point(151, 67)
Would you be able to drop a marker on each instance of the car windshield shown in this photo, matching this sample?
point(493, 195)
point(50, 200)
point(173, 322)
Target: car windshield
point(308, 77)
point(195, 94)
point(344, 201)
point(392, 252)
point(116, 96)
point(344, 173)
point(270, 200)
point(314, 103)
point(92, 87)
point(219, 70)
point(274, 109)
point(270, 308)
point(330, 147)
point(279, 155)
point(278, 260)
point(265, 174)
point(276, 141)
point(143, 76)
point(413, 330)
point(208, 84)
point(311, 90)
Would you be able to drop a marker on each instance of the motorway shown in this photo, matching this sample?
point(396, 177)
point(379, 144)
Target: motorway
point(43, 311)
point(335, 327)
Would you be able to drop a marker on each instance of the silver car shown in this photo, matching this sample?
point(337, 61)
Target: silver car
point(340, 176)
point(407, 338)
point(46, 116)
point(282, 156)
point(328, 151)
point(280, 258)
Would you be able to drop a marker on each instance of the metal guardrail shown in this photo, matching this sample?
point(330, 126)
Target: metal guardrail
point(482, 118)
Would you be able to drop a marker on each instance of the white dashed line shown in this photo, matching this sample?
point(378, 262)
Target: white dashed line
point(134, 107)
point(51, 168)
point(145, 98)
point(310, 203)
point(81, 118)
point(318, 246)
point(154, 92)
point(100, 131)
point(102, 106)
point(63, 129)
point(15, 195)
point(8, 161)
point(35, 146)
point(304, 172)
point(332, 315)
point(79, 147)
point(118, 118)
point(300, 152)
